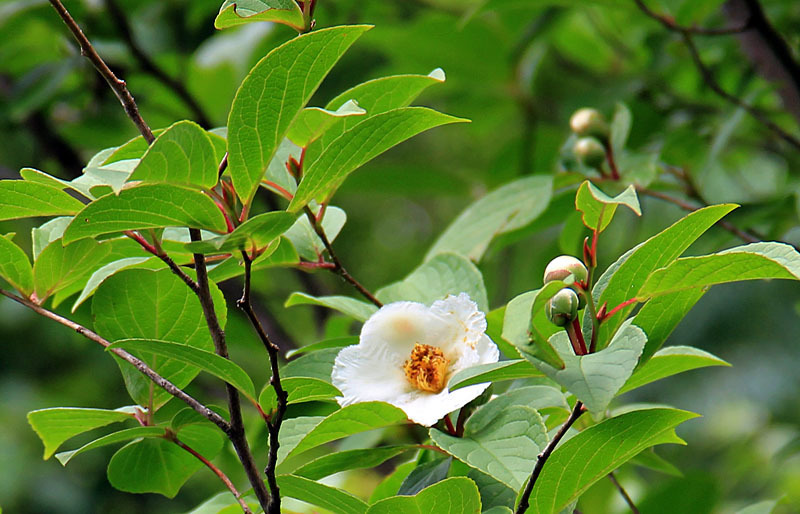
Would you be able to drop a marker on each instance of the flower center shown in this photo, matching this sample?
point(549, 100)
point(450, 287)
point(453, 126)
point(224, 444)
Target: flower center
point(426, 369)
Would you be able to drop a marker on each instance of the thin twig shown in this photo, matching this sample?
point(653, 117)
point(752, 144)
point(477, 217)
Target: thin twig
point(222, 476)
point(149, 66)
point(274, 422)
point(670, 24)
point(542, 458)
point(338, 268)
point(236, 433)
point(117, 85)
point(122, 354)
point(623, 492)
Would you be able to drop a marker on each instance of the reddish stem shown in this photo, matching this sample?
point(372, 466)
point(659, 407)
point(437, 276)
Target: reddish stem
point(280, 190)
point(610, 159)
point(618, 308)
point(316, 265)
point(142, 241)
point(450, 427)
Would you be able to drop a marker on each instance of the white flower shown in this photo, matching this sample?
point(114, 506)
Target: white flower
point(408, 352)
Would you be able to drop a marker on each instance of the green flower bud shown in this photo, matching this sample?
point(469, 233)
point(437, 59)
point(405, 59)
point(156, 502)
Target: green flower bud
point(563, 266)
point(589, 122)
point(562, 308)
point(590, 151)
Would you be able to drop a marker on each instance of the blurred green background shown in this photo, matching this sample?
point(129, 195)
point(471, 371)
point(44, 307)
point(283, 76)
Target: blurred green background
point(517, 69)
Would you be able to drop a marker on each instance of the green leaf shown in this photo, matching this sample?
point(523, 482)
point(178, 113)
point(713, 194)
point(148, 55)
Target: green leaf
point(220, 367)
point(493, 372)
point(271, 96)
point(387, 93)
point(182, 154)
point(507, 208)
point(238, 12)
point(671, 361)
point(46, 233)
point(15, 267)
point(445, 274)
point(23, 199)
point(360, 144)
point(425, 475)
point(748, 262)
point(109, 269)
point(356, 309)
point(144, 304)
point(537, 397)
point(350, 459)
point(597, 377)
point(598, 208)
point(321, 495)
point(391, 484)
point(529, 332)
point(659, 317)
point(350, 420)
point(625, 278)
point(318, 364)
point(336, 342)
point(458, 495)
point(55, 426)
point(58, 266)
point(299, 389)
point(503, 448)
point(146, 206)
point(305, 239)
point(312, 122)
point(651, 460)
point(255, 234)
point(282, 255)
point(620, 127)
point(155, 465)
point(115, 437)
point(592, 454)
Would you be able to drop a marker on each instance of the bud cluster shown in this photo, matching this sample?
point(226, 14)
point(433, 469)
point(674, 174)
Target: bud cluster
point(563, 307)
point(593, 135)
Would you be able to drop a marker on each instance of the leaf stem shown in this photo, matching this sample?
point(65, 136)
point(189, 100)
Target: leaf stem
point(542, 457)
point(623, 492)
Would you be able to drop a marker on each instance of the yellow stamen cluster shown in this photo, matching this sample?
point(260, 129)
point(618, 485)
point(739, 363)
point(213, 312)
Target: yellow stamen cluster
point(427, 368)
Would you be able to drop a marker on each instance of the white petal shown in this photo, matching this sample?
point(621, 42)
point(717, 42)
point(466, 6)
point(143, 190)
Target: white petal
point(426, 408)
point(366, 374)
point(466, 313)
point(398, 326)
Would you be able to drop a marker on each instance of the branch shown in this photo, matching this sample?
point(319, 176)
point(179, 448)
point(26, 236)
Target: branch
point(149, 66)
point(117, 85)
point(236, 433)
point(338, 268)
point(274, 422)
point(127, 357)
point(542, 458)
point(623, 492)
point(222, 476)
point(670, 24)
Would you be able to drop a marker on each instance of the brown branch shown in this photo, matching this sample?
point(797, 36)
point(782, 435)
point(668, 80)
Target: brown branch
point(623, 492)
point(236, 433)
point(275, 420)
point(222, 476)
point(542, 458)
point(338, 268)
point(117, 85)
point(149, 66)
point(122, 354)
point(670, 24)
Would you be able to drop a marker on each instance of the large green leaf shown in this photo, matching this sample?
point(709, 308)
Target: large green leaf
point(146, 206)
point(211, 363)
point(671, 361)
point(325, 496)
point(298, 389)
point(144, 304)
point(598, 208)
point(503, 448)
point(458, 495)
point(112, 438)
point(507, 208)
point(55, 426)
point(350, 459)
point(493, 372)
point(182, 154)
point(356, 309)
point(15, 267)
point(255, 234)
point(154, 465)
point(360, 144)
point(271, 96)
point(592, 454)
point(748, 262)
point(597, 377)
point(102, 273)
point(624, 280)
point(350, 420)
point(59, 266)
point(24, 199)
point(313, 122)
point(238, 12)
point(445, 274)
point(660, 315)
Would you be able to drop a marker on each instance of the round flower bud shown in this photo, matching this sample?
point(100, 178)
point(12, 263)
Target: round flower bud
point(590, 151)
point(562, 308)
point(563, 266)
point(589, 122)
